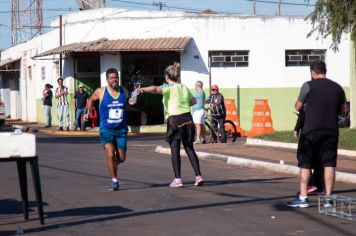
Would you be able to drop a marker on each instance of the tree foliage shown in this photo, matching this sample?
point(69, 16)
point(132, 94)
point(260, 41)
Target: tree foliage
point(334, 17)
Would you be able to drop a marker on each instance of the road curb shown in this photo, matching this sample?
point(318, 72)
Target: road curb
point(233, 160)
point(66, 133)
point(132, 130)
point(261, 142)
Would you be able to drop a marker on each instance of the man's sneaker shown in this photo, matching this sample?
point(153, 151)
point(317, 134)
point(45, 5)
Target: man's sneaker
point(196, 142)
point(328, 203)
point(60, 128)
point(115, 186)
point(199, 181)
point(176, 183)
point(203, 141)
point(299, 203)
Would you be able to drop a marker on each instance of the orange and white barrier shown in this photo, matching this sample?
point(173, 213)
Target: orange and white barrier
point(262, 120)
point(231, 114)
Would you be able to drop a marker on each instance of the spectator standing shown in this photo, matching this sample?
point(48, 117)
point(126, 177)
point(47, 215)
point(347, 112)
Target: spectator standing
point(177, 100)
point(316, 182)
point(325, 100)
point(63, 105)
point(80, 103)
point(47, 104)
point(218, 110)
point(113, 121)
point(199, 113)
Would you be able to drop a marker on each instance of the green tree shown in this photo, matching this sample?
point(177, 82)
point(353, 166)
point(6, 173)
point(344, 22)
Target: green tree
point(333, 18)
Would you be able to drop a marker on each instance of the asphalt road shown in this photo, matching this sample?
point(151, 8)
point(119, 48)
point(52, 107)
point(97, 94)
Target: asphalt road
point(234, 201)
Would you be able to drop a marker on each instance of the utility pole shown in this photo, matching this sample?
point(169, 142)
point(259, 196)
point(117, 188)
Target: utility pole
point(279, 8)
point(60, 44)
point(26, 20)
point(254, 7)
point(159, 4)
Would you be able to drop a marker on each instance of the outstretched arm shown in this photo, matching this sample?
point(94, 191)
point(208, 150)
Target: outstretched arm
point(151, 89)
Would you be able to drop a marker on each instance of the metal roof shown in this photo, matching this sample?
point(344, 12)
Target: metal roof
point(7, 61)
point(69, 48)
point(177, 44)
point(153, 44)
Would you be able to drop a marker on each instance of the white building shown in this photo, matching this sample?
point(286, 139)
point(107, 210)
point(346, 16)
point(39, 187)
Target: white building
point(249, 57)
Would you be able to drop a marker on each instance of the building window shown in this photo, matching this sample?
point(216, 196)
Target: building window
point(29, 72)
point(304, 57)
point(56, 68)
point(43, 73)
point(229, 58)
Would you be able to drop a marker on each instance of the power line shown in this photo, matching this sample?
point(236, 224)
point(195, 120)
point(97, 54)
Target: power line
point(170, 7)
point(49, 9)
point(137, 3)
point(282, 3)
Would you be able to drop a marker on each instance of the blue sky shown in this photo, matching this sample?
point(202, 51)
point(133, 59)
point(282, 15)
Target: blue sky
point(53, 8)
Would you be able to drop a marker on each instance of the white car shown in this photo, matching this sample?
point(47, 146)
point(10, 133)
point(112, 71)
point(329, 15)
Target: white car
point(2, 114)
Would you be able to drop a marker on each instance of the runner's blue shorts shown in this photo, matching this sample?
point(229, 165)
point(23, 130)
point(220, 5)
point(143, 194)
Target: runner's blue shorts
point(118, 137)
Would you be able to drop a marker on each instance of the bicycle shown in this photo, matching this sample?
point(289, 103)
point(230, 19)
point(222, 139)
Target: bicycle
point(344, 119)
point(213, 133)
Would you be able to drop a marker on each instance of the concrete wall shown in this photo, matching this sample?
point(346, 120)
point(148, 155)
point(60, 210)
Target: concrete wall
point(266, 38)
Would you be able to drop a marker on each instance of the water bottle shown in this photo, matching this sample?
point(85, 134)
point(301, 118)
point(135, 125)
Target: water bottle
point(17, 132)
point(133, 97)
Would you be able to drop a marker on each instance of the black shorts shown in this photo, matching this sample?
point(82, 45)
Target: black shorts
point(317, 150)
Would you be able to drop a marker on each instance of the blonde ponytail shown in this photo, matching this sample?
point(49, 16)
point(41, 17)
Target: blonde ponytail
point(173, 72)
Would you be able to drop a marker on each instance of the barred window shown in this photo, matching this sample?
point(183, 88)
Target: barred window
point(304, 57)
point(229, 58)
point(43, 73)
point(29, 72)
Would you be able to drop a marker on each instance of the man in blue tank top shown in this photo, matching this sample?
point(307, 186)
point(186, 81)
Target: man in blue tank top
point(113, 122)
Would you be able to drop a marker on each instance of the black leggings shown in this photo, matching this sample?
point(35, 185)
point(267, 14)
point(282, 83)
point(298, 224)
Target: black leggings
point(176, 160)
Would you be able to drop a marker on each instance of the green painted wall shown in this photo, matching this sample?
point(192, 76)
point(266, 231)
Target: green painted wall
point(353, 84)
point(280, 100)
point(90, 83)
point(40, 115)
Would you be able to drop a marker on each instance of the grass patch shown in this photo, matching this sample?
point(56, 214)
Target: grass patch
point(347, 138)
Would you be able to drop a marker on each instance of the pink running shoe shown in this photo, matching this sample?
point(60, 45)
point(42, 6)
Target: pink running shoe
point(199, 181)
point(176, 183)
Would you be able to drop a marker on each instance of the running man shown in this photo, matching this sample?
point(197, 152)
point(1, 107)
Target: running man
point(113, 121)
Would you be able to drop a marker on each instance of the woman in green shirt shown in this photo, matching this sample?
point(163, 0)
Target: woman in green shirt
point(177, 100)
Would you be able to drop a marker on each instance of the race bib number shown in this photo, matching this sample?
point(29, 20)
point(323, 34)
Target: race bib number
point(115, 115)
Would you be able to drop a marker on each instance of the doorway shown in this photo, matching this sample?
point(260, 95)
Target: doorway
point(146, 69)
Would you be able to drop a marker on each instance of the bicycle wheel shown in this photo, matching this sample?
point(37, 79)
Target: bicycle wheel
point(209, 133)
point(230, 131)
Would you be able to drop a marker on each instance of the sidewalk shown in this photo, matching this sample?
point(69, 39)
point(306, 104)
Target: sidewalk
point(274, 156)
point(264, 157)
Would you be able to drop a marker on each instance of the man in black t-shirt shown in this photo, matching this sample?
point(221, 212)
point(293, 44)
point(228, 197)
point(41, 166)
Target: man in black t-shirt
point(80, 102)
point(324, 100)
point(47, 104)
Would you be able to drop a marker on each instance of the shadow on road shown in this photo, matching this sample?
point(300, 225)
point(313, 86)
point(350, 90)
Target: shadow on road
point(92, 212)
